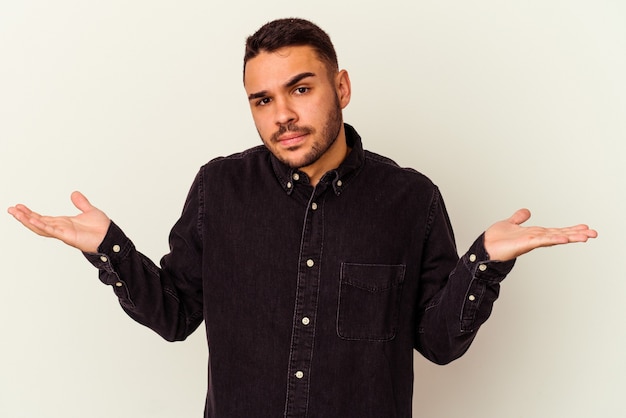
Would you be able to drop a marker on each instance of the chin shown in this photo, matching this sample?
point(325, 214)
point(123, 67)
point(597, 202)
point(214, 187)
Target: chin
point(295, 161)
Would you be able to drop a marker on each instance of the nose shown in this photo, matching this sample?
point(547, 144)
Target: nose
point(285, 113)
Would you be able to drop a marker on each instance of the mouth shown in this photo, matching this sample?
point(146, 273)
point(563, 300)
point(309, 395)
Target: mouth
point(292, 139)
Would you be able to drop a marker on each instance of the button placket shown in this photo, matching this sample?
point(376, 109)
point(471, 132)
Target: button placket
point(305, 309)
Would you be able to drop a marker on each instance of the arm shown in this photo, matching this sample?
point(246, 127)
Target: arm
point(167, 299)
point(457, 295)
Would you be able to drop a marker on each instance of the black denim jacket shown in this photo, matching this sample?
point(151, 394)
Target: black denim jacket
point(313, 298)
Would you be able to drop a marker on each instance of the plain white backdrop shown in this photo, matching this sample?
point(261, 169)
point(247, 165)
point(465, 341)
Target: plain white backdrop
point(503, 104)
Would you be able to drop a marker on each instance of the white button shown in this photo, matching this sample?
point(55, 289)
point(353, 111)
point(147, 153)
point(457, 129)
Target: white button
point(296, 176)
point(116, 248)
point(472, 298)
point(314, 206)
point(310, 262)
point(339, 183)
point(482, 267)
point(299, 374)
point(119, 284)
point(306, 321)
point(289, 185)
point(104, 258)
point(472, 258)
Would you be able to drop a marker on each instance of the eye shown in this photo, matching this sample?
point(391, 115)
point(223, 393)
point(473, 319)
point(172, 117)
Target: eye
point(301, 90)
point(263, 101)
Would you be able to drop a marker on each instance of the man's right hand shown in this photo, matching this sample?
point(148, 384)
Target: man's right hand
point(84, 231)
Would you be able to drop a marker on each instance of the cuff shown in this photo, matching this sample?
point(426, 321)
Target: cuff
point(477, 261)
point(113, 249)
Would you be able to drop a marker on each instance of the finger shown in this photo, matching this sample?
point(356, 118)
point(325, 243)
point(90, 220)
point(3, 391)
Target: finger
point(565, 235)
point(12, 210)
point(80, 201)
point(574, 230)
point(19, 208)
point(584, 229)
point(582, 236)
point(520, 216)
point(29, 219)
point(21, 213)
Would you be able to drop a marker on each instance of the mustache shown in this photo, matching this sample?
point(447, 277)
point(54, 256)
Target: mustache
point(291, 128)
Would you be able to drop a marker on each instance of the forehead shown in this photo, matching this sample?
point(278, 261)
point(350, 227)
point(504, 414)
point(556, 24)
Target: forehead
point(278, 66)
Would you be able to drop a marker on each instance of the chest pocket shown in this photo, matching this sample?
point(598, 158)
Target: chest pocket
point(369, 298)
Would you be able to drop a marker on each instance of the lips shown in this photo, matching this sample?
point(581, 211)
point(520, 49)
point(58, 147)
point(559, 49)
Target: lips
point(292, 139)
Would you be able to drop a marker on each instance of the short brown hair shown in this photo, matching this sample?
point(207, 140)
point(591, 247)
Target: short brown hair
point(281, 33)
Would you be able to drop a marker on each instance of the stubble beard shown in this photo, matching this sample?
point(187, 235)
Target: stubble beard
point(328, 136)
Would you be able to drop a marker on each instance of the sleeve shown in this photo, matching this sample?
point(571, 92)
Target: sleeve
point(167, 299)
point(456, 295)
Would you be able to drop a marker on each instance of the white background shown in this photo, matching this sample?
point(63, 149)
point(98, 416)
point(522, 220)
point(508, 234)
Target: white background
point(504, 104)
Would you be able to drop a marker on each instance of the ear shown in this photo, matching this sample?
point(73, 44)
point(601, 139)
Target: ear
point(343, 88)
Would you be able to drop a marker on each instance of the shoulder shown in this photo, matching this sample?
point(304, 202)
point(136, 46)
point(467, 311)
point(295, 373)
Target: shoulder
point(387, 169)
point(260, 151)
point(237, 161)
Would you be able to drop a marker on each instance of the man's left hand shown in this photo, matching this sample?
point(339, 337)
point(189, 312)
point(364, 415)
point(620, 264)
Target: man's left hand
point(507, 239)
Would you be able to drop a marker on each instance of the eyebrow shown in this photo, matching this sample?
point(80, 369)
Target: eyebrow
point(292, 82)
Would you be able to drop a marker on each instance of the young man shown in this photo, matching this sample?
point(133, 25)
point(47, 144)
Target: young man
point(317, 266)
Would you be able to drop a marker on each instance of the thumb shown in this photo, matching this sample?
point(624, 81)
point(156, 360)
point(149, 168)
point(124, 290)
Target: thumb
point(80, 201)
point(520, 216)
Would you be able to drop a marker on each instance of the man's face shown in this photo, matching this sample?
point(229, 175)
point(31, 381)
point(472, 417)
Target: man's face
point(296, 104)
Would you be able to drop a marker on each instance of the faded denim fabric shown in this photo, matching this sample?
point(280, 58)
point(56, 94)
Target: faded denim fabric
point(313, 299)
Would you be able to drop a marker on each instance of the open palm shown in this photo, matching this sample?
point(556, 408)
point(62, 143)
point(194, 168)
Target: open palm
point(84, 231)
point(507, 239)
